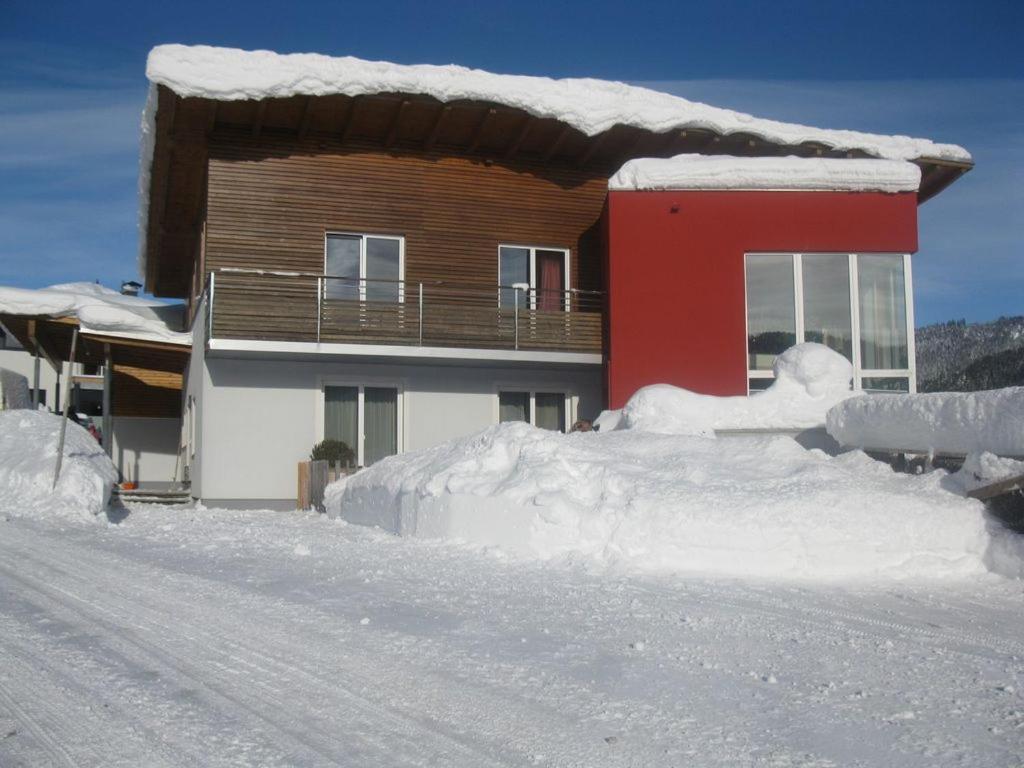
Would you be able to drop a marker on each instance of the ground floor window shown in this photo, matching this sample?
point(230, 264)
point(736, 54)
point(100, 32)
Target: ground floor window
point(860, 305)
point(547, 410)
point(365, 418)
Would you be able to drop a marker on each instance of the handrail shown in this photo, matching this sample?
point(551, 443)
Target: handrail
point(315, 275)
point(302, 307)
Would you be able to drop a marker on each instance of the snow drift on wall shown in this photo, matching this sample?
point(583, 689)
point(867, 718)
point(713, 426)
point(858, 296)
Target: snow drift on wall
point(810, 378)
point(28, 453)
point(723, 172)
point(748, 507)
point(944, 422)
point(99, 310)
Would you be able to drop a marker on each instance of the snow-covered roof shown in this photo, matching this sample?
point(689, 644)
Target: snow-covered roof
point(719, 172)
point(99, 310)
point(589, 105)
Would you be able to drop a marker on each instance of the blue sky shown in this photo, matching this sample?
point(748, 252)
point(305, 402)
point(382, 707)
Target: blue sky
point(72, 88)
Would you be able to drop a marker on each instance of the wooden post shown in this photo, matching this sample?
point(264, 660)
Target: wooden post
point(302, 502)
point(108, 397)
point(67, 407)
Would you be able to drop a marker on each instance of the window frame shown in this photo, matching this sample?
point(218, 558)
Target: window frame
point(532, 270)
point(859, 373)
point(571, 400)
point(361, 383)
point(363, 236)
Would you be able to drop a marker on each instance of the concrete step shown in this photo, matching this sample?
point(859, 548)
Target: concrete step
point(154, 496)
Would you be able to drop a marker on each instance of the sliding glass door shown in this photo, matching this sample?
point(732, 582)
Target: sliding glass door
point(366, 419)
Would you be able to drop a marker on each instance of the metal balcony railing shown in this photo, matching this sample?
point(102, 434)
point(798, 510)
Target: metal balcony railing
point(291, 306)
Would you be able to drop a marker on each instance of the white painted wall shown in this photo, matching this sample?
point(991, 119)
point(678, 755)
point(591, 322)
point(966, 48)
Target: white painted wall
point(261, 417)
point(146, 449)
point(20, 361)
point(192, 424)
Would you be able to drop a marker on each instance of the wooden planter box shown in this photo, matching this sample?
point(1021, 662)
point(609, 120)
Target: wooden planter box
point(313, 479)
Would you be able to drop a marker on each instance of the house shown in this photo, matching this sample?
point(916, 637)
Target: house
point(115, 358)
point(396, 255)
point(14, 357)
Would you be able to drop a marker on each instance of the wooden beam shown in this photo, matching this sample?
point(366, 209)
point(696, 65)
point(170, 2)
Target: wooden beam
point(348, 122)
point(595, 145)
point(524, 131)
point(257, 125)
point(480, 128)
point(557, 144)
point(396, 123)
point(435, 129)
point(307, 115)
point(39, 347)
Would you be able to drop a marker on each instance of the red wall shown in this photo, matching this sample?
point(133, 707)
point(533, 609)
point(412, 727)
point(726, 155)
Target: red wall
point(676, 295)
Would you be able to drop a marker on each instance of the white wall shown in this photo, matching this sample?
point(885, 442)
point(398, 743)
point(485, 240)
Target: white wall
point(195, 376)
point(260, 417)
point(146, 449)
point(20, 361)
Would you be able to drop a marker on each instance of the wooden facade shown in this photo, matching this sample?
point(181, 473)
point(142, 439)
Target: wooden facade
point(485, 157)
point(271, 201)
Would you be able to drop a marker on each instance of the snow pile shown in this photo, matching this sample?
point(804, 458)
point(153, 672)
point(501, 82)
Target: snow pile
point(28, 454)
point(946, 422)
point(980, 469)
point(589, 105)
point(692, 171)
point(99, 310)
point(810, 378)
point(751, 506)
point(14, 392)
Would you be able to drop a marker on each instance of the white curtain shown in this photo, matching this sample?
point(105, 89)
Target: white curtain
point(341, 415)
point(514, 406)
point(380, 410)
point(549, 410)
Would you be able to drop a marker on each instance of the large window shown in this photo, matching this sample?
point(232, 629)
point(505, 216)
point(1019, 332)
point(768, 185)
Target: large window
point(542, 273)
point(365, 418)
point(364, 267)
point(547, 410)
point(857, 304)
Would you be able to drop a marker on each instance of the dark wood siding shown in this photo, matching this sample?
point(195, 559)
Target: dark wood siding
point(271, 199)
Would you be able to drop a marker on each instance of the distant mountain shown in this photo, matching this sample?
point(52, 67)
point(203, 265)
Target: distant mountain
point(961, 357)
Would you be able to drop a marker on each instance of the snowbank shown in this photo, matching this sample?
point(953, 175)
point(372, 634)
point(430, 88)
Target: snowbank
point(750, 507)
point(810, 378)
point(947, 422)
point(786, 173)
point(28, 453)
point(14, 391)
point(99, 310)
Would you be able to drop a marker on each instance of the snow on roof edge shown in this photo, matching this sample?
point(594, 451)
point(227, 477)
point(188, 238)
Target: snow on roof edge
point(591, 106)
point(725, 172)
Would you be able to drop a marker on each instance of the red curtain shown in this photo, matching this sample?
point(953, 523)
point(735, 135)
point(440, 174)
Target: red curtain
point(550, 282)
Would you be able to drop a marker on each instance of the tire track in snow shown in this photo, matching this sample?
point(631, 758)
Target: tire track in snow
point(221, 634)
point(149, 642)
point(49, 743)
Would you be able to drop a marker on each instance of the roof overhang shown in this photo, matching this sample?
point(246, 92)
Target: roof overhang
point(487, 132)
point(50, 338)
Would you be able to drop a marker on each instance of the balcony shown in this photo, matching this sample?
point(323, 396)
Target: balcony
point(255, 305)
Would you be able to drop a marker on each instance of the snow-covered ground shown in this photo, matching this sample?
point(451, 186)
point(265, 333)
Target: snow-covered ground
point(216, 638)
